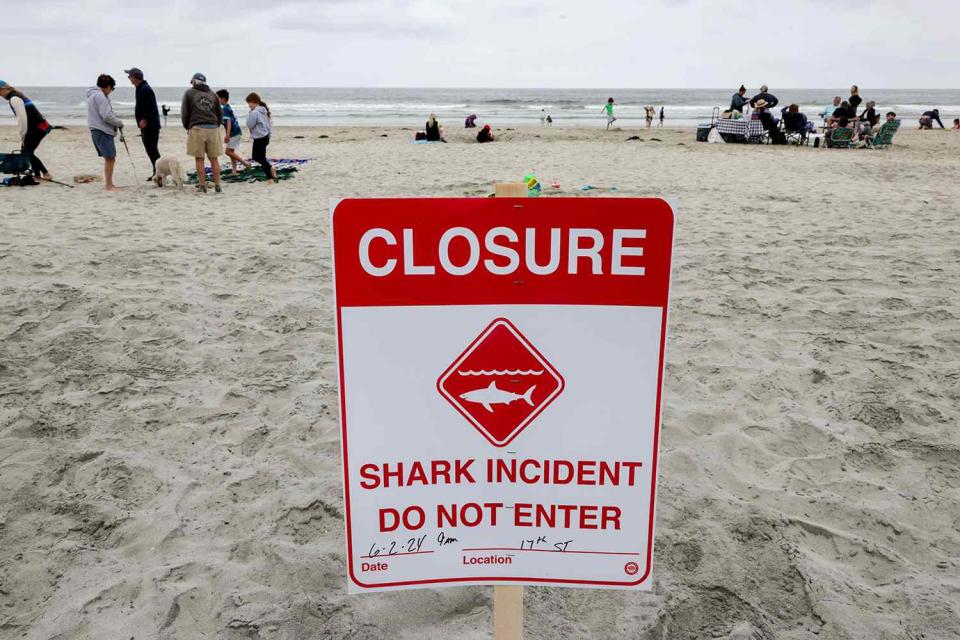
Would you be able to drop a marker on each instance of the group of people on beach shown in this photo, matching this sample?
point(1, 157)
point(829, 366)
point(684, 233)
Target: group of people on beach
point(649, 113)
point(433, 131)
point(840, 114)
point(208, 118)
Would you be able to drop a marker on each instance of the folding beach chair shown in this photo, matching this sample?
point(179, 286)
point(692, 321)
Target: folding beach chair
point(840, 138)
point(794, 127)
point(884, 136)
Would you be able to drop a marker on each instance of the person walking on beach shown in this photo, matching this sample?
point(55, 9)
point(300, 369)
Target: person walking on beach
point(231, 136)
point(543, 117)
point(31, 126)
point(104, 125)
point(608, 108)
point(649, 113)
point(201, 114)
point(147, 116)
point(166, 112)
point(661, 117)
point(260, 126)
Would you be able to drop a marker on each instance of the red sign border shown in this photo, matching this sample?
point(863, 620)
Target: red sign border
point(536, 352)
point(497, 579)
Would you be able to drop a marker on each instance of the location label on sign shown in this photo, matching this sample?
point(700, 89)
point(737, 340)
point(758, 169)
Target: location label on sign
point(501, 366)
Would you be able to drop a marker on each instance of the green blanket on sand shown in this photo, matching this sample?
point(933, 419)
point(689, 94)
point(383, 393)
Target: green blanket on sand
point(247, 175)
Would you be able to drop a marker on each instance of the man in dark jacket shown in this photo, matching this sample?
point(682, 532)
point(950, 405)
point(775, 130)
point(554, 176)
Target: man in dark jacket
point(770, 99)
point(201, 115)
point(147, 115)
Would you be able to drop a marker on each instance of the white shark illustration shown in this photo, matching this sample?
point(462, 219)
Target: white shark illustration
point(491, 395)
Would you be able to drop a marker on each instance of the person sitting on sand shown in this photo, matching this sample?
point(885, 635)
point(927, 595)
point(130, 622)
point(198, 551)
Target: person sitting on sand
point(31, 126)
point(929, 117)
point(104, 125)
point(485, 134)
point(231, 136)
point(433, 129)
point(608, 108)
point(470, 122)
point(956, 124)
point(739, 100)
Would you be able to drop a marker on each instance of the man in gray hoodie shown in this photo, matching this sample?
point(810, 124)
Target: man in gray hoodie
point(104, 125)
point(202, 115)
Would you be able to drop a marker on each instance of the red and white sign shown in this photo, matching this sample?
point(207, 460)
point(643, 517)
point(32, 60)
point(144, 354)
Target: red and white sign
point(501, 365)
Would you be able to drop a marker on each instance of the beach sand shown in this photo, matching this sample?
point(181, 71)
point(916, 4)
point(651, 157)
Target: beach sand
point(169, 444)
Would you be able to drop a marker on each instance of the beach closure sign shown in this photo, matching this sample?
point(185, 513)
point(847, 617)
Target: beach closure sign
point(501, 365)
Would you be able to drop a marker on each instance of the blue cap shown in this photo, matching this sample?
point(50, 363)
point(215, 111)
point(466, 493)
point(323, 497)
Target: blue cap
point(2, 83)
point(198, 77)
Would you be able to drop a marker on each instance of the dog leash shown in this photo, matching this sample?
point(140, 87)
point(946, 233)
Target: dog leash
point(136, 176)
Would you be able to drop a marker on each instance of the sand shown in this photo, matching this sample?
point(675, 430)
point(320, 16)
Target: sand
point(169, 448)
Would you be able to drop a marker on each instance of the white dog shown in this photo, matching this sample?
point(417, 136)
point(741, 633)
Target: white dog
point(169, 166)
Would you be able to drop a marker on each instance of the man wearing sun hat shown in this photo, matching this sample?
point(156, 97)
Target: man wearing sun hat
point(202, 115)
point(147, 115)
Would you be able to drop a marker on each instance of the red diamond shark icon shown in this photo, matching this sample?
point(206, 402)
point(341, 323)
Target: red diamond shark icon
point(500, 383)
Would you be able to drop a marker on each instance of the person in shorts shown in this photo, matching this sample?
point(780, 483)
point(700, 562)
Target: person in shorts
point(201, 115)
point(231, 136)
point(608, 108)
point(104, 125)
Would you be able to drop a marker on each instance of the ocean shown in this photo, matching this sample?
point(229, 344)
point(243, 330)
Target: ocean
point(518, 107)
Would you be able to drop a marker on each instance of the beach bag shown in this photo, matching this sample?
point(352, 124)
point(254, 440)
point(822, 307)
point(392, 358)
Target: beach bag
point(420, 136)
point(14, 162)
point(715, 137)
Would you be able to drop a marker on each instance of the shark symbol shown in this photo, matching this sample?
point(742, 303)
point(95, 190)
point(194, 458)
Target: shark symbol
point(491, 395)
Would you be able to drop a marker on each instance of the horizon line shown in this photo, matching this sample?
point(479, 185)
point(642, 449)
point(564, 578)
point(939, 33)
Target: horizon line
point(291, 86)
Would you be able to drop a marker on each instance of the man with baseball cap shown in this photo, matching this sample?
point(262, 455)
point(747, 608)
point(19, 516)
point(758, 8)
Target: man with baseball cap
point(147, 115)
point(201, 115)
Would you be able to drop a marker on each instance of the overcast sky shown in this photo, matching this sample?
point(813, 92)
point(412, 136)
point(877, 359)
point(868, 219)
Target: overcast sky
point(487, 43)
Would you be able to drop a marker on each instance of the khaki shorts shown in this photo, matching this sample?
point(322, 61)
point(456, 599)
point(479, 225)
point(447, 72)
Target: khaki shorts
point(202, 142)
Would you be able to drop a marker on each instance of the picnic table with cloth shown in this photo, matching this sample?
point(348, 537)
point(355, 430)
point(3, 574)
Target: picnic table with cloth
point(742, 128)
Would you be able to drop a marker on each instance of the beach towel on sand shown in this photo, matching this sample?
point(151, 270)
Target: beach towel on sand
point(286, 168)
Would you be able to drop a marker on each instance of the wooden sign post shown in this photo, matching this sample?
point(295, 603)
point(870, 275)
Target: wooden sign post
point(508, 612)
